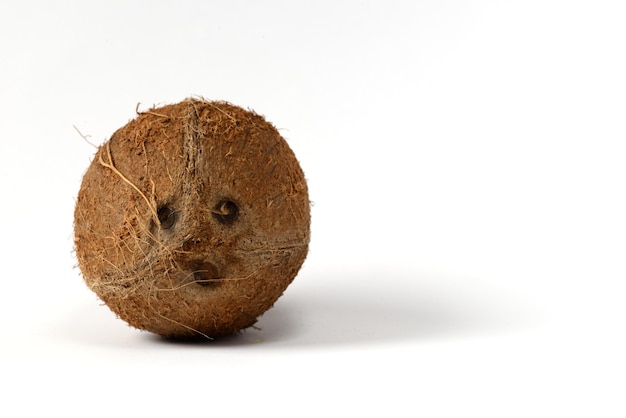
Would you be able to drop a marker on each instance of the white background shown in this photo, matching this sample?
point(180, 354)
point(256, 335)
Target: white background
point(466, 164)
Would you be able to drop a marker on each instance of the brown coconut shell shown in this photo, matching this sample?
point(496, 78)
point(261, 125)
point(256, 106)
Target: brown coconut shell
point(192, 219)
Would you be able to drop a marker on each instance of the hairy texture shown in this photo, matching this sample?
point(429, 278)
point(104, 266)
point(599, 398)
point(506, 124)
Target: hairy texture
point(192, 219)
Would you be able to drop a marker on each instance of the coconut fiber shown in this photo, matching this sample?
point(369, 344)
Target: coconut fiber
point(192, 219)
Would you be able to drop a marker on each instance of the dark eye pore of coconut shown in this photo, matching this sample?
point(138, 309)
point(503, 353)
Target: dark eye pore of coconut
point(192, 219)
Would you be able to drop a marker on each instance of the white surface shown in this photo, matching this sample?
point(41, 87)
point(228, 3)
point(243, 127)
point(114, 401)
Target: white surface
point(466, 161)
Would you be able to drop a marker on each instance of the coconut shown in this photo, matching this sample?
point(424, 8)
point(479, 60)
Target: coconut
point(192, 219)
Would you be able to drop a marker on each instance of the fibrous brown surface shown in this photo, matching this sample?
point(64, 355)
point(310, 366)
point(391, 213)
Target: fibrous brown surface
point(192, 219)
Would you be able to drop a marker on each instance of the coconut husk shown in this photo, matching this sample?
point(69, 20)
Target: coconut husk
point(192, 219)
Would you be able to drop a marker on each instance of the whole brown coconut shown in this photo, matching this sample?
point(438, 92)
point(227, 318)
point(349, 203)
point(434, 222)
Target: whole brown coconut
point(192, 219)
